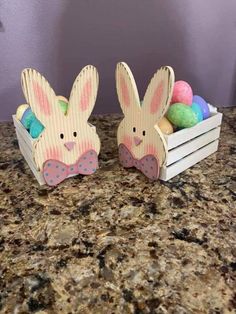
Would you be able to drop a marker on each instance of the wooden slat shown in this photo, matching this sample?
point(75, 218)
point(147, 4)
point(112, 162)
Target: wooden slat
point(169, 172)
point(28, 157)
point(193, 145)
point(184, 135)
point(23, 132)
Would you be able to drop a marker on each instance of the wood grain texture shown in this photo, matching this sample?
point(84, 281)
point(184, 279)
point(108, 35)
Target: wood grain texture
point(140, 121)
point(59, 127)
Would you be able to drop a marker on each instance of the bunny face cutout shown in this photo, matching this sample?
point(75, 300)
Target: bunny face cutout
point(68, 136)
point(138, 133)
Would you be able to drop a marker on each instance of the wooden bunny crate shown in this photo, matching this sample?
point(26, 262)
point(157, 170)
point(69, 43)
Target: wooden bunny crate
point(67, 143)
point(189, 146)
point(26, 145)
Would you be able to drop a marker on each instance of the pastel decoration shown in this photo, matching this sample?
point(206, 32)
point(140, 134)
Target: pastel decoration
point(203, 104)
point(182, 93)
point(165, 126)
point(64, 123)
point(141, 142)
point(63, 103)
point(198, 111)
point(55, 171)
point(20, 111)
point(36, 128)
point(148, 165)
point(182, 116)
point(27, 118)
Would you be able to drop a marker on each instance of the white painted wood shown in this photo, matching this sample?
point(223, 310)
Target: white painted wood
point(192, 145)
point(169, 172)
point(28, 157)
point(23, 132)
point(184, 135)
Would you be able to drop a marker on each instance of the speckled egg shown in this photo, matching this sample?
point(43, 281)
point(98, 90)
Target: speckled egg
point(27, 118)
point(198, 111)
point(36, 128)
point(182, 116)
point(203, 104)
point(165, 126)
point(182, 93)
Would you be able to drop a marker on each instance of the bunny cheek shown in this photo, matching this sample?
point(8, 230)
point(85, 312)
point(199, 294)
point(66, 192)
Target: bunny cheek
point(127, 140)
point(53, 153)
point(84, 147)
point(150, 150)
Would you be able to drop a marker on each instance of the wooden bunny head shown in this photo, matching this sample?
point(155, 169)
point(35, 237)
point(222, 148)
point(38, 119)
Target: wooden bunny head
point(66, 137)
point(141, 143)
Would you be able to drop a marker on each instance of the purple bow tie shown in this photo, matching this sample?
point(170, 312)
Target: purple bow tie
point(55, 171)
point(148, 165)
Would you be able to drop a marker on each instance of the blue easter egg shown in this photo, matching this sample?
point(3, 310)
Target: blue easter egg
point(27, 118)
point(198, 111)
point(203, 104)
point(36, 128)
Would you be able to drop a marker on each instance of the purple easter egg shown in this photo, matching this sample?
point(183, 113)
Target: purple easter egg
point(203, 104)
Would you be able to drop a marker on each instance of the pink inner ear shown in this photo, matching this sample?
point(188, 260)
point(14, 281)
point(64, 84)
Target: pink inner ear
point(41, 99)
point(157, 98)
point(86, 95)
point(124, 91)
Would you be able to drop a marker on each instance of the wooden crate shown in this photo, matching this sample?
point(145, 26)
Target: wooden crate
point(189, 146)
point(26, 145)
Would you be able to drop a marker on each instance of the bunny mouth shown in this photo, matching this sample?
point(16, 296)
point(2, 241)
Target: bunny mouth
point(137, 140)
point(69, 145)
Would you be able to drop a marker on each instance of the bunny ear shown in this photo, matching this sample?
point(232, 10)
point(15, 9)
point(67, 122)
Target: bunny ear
point(40, 96)
point(158, 94)
point(84, 93)
point(126, 88)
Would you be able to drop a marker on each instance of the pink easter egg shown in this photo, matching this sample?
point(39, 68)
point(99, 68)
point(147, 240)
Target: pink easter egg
point(182, 93)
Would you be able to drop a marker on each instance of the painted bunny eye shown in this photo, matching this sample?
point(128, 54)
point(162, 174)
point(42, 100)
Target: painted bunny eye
point(75, 134)
point(134, 129)
point(144, 133)
point(61, 135)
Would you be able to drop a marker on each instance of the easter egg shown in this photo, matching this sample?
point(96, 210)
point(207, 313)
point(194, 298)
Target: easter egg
point(182, 116)
point(63, 102)
point(182, 93)
point(20, 111)
point(27, 118)
point(203, 104)
point(198, 111)
point(36, 128)
point(165, 126)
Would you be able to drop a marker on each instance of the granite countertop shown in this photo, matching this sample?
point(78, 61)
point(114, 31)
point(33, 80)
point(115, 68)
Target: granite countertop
point(115, 243)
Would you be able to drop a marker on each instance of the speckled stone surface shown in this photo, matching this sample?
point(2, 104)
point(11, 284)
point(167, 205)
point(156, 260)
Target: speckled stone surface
point(115, 243)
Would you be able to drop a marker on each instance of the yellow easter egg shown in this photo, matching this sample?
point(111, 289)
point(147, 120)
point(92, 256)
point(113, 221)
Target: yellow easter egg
point(20, 111)
point(165, 126)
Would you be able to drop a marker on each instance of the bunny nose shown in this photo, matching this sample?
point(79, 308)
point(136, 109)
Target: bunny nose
point(69, 145)
point(137, 140)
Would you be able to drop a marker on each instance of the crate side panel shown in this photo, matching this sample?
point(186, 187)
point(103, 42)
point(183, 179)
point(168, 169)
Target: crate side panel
point(192, 145)
point(169, 172)
point(185, 135)
point(23, 132)
point(28, 157)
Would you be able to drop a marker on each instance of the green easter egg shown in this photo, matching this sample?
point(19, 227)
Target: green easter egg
point(27, 118)
point(63, 105)
point(182, 116)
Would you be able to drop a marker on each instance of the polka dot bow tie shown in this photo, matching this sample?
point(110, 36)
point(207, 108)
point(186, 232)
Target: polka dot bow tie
point(55, 171)
point(148, 165)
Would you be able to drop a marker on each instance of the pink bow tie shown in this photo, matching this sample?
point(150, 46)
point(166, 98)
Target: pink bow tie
point(55, 171)
point(148, 165)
